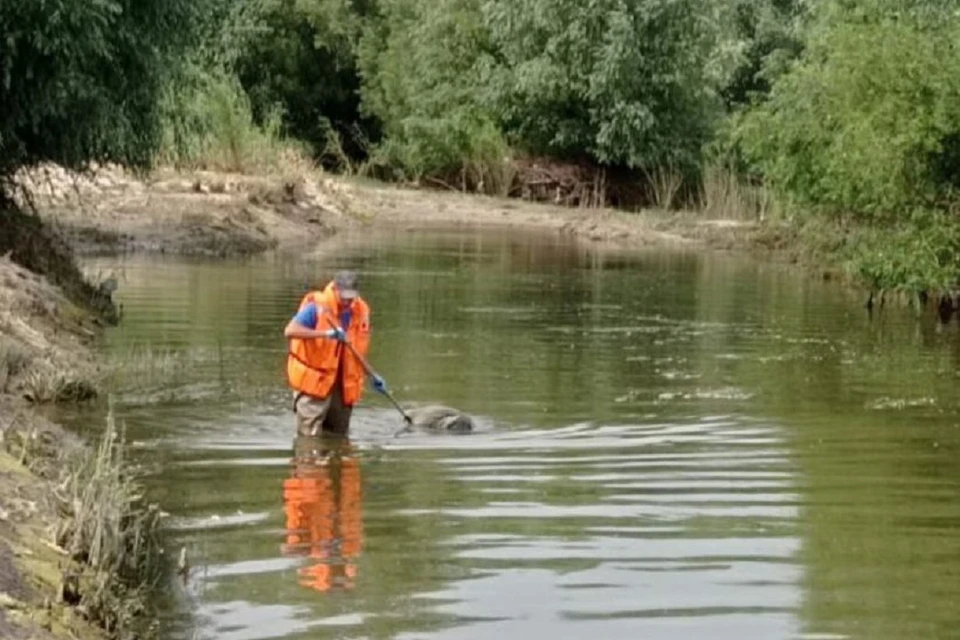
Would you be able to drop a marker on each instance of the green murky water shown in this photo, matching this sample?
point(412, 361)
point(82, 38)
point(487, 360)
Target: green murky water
point(673, 445)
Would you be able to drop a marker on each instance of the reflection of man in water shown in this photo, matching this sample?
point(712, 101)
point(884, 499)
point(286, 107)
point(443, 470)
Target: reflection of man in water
point(322, 501)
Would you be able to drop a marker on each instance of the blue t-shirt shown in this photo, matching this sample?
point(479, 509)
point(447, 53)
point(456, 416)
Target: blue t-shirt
point(308, 317)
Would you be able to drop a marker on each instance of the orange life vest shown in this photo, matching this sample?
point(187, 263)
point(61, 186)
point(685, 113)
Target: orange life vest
point(313, 365)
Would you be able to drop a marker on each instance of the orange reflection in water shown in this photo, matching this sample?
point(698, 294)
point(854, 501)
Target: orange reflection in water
point(322, 500)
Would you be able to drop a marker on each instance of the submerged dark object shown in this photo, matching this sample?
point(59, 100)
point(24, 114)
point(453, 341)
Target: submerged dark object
point(440, 418)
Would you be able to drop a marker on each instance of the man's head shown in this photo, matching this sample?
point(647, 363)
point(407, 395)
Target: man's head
point(346, 285)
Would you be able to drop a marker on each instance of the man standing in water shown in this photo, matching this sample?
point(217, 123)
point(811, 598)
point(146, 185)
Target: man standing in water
point(325, 375)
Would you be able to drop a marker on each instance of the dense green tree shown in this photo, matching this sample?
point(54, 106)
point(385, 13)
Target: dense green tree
point(627, 84)
point(81, 81)
point(843, 107)
point(425, 69)
point(767, 35)
point(867, 123)
point(624, 82)
point(304, 60)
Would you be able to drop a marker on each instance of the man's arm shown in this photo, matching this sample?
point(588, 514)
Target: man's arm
point(300, 325)
point(296, 330)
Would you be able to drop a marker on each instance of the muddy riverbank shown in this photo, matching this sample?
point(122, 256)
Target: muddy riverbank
point(44, 345)
point(75, 537)
point(222, 214)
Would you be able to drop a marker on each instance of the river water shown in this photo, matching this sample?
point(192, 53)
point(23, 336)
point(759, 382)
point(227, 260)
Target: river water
point(671, 445)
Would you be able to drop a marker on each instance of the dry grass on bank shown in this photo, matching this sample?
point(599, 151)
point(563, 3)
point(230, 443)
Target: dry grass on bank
point(79, 546)
point(93, 517)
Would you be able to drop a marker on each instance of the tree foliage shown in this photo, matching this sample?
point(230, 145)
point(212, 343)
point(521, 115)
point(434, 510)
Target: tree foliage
point(80, 80)
point(623, 82)
point(303, 62)
point(867, 124)
point(767, 35)
point(442, 84)
point(425, 70)
point(843, 107)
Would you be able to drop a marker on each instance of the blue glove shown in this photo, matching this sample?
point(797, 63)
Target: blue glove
point(337, 334)
point(379, 383)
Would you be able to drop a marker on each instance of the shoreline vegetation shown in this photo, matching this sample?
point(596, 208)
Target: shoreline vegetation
point(80, 551)
point(767, 129)
point(825, 133)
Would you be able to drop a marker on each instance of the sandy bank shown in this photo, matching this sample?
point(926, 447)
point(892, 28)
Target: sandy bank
point(222, 214)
